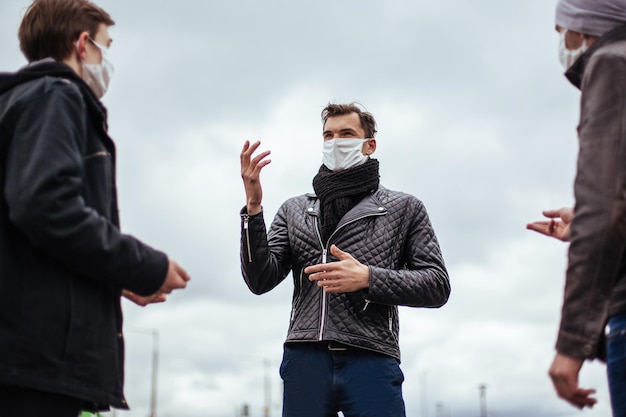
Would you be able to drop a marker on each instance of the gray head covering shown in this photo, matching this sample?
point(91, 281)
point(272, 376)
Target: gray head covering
point(591, 17)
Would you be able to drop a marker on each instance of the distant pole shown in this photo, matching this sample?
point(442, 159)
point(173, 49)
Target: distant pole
point(482, 389)
point(268, 398)
point(424, 394)
point(155, 365)
point(439, 408)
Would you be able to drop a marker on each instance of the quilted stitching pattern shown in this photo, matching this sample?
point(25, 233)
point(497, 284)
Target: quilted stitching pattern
point(388, 231)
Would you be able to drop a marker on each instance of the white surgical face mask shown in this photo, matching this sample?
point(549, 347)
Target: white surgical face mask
point(567, 57)
point(98, 76)
point(343, 153)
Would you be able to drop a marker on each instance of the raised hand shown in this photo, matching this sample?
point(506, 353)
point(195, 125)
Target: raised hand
point(250, 173)
point(558, 226)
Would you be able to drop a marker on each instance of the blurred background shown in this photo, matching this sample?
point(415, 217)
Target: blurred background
point(475, 118)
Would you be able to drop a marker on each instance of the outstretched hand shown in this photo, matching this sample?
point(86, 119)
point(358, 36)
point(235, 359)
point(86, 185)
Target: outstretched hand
point(557, 227)
point(175, 279)
point(251, 173)
point(143, 301)
point(345, 275)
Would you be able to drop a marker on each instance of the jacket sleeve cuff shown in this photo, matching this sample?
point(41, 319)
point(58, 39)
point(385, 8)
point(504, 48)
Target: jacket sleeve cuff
point(576, 347)
point(244, 210)
point(152, 276)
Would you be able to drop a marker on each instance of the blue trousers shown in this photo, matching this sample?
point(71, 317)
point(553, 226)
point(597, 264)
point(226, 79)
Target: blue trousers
point(319, 382)
point(616, 363)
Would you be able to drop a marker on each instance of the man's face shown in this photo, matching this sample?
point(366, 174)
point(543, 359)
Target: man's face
point(344, 126)
point(348, 126)
point(573, 40)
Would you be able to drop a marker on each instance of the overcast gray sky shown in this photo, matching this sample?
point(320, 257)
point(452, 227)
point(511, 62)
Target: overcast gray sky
point(475, 118)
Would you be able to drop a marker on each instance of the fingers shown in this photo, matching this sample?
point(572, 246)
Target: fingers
point(541, 227)
point(341, 255)
point(131, 296)
point(567, 214)
point(144, 301)
point(158, 298)
point(581, 398)
point(181, 271)
point(564, 213)
point(553, 214)
point(246, 157)
point(176, 278)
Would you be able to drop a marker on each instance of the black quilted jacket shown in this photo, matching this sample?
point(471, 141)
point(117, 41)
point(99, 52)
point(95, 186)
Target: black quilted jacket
point(389, 231)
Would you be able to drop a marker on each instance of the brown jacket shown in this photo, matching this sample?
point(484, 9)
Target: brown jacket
point(596, 275)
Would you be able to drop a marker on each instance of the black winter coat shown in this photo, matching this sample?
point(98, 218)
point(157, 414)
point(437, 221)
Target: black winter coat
point(388, 231)
point(63, 259)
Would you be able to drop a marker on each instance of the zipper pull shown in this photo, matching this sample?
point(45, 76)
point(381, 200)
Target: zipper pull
point(324, 252)
point(367, 303)
point(245, 221)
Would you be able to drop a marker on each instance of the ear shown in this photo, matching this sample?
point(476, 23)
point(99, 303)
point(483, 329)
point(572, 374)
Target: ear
point(369, 147)
point(83, 38)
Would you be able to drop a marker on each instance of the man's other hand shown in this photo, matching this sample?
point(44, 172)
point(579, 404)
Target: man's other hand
point(176, 278)
point(564, 374)
point(144, 300)
point(345, 275)
point(558, 226)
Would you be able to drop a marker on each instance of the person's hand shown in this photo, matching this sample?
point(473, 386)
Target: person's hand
point(558, 226)
point(143, 301)
point(345, 275)
point(251, 173)
point(176, 278)
point(564, 374)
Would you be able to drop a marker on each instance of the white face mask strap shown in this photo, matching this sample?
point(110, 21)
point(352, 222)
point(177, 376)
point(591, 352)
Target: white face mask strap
point(103, 50)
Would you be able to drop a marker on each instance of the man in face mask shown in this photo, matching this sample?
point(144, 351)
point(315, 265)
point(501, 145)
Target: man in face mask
point(592, 49)
point(356, 251)
point(63, 261)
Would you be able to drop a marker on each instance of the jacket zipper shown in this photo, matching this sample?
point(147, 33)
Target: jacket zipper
point(99, 153)
point(246, 217)
point(323, 321)
point(324, 256)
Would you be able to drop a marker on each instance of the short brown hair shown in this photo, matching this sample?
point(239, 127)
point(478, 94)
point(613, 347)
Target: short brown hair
point(367, 119)
point(50, 27)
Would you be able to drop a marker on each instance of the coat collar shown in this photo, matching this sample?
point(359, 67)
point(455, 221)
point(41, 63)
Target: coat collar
point(51, 68)
point(371, 205)
point(575, 73)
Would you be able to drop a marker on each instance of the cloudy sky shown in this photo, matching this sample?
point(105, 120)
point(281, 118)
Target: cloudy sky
point(475, 118)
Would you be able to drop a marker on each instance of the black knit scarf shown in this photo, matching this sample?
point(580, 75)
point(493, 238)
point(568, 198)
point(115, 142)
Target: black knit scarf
point(340, 191)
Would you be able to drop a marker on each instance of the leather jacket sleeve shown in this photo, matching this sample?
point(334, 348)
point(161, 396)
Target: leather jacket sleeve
point(424, 280)
point(44, 193)
point(264, 259)
point(598, 230)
